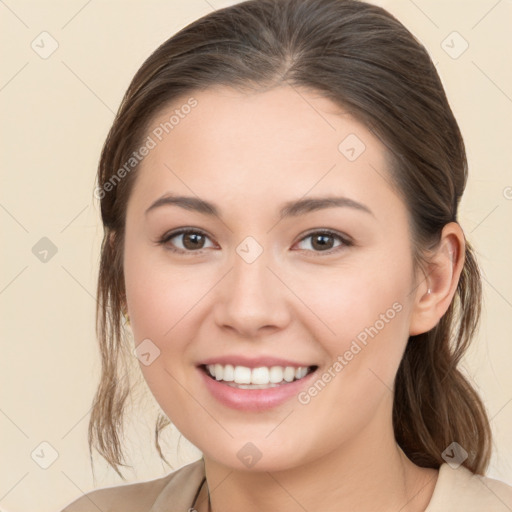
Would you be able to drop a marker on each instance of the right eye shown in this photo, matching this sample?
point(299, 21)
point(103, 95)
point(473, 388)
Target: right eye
point(191, 241)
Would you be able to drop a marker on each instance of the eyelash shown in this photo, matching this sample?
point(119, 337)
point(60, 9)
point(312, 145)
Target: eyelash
point(345, 241)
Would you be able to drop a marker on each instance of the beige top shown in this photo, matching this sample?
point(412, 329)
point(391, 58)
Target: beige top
point(456, 490)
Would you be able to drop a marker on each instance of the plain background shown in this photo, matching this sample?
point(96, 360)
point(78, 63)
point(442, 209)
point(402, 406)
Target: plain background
point(56, 112)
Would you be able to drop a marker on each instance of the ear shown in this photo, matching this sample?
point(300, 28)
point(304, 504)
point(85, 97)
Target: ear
point(436, 289)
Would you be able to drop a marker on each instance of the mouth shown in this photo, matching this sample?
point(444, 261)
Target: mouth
point(263, 377)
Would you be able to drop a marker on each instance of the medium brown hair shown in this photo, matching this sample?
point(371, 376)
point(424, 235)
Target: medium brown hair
point(363, 59)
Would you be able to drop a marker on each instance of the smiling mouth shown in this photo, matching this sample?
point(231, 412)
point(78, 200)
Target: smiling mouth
point(264, 377)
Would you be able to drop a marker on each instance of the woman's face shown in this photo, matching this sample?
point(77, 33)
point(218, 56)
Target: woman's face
point(256, 289)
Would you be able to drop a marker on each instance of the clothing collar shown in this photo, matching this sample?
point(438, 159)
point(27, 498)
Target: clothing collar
point(179, 493)
point(456, 489)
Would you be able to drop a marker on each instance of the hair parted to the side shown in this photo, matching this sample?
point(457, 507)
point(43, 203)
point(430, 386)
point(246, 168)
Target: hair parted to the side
point(363, 59)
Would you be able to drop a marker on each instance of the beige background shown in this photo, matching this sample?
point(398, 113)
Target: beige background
point(55, 115)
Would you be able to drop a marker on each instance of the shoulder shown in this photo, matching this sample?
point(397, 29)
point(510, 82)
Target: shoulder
point(179, 486)
point(461, 490)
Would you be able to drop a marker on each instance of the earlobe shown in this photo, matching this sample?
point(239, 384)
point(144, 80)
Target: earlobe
point(435, 292)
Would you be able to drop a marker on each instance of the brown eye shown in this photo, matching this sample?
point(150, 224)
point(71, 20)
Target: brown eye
point(324, 241)
point(193, 241)
point(185, 240)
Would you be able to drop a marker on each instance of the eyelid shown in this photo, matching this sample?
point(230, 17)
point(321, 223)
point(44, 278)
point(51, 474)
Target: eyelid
point(166, 237)
point(345, 240)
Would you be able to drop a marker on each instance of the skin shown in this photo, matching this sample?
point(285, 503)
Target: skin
point(249, 153)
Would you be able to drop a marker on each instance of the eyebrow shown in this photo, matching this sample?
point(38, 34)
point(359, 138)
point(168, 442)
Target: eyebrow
point(289, 209)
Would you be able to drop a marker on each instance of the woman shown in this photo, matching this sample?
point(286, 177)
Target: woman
point(279, 192)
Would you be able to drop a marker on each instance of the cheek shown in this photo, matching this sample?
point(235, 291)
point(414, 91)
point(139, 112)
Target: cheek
point(159, 294)
point(163, 304)
point(346, 302)
point(368, 312)
point(361, 320)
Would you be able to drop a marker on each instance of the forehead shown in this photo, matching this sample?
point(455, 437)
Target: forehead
point(277, 144)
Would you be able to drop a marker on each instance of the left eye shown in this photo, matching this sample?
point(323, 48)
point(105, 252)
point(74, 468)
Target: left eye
point(323, 241)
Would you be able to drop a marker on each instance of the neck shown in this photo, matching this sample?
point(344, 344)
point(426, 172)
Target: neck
point(369, 472)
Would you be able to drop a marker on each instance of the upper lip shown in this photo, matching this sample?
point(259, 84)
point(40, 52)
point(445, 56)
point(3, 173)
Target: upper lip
point(252, 362)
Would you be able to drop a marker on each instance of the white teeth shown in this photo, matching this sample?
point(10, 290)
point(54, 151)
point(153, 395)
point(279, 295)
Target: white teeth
point(301, 372)
point(228, 374)
point(289, 374)
point(242, 375)
point(260, 377)
point(276, 374)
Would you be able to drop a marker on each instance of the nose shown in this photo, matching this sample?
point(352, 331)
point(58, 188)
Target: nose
point(251, 300)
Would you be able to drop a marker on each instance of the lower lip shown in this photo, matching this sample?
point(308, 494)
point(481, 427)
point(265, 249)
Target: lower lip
point(254, 399)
